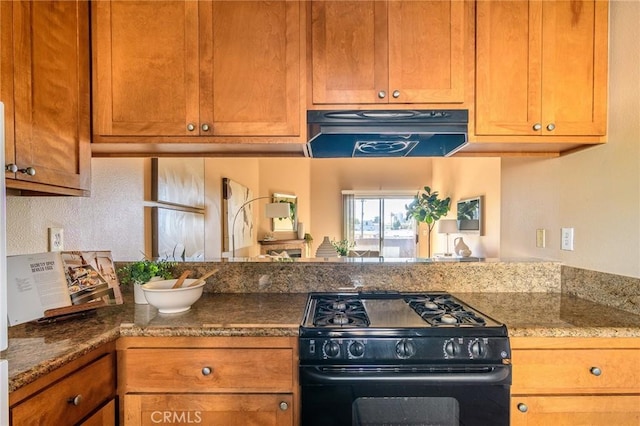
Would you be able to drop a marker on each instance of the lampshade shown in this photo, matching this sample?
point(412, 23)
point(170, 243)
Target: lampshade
point(447, 226)
point(277, 210)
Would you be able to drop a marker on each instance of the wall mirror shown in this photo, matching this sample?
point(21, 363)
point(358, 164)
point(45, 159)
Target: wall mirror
point(288, 223)
point(470, 215)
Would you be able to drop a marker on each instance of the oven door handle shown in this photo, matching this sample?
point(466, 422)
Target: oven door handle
point(497, 374)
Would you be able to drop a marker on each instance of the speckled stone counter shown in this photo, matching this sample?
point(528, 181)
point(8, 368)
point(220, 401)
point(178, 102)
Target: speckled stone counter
point(35, 350)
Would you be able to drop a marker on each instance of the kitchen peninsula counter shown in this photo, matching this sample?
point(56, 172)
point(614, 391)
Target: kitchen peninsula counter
point(34, 350)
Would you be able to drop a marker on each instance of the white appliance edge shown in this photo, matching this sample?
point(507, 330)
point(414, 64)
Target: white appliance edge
point(4, 368)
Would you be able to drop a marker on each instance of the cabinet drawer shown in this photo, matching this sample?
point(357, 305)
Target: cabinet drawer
point(575, 410)
point(208, 370)
point(91, 386)
point(576, 370)
point(230, 409)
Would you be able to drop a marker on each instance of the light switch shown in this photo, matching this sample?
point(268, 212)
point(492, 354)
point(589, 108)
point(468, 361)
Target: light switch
point(541, 240)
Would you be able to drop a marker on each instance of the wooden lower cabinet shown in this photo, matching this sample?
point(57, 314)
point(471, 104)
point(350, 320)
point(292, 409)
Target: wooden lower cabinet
point(587, 410)
point(208, 380)
point(224, 409)
point(81, 392)
point(575, 381)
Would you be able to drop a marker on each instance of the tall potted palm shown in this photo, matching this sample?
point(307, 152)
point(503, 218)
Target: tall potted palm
point(428, 208)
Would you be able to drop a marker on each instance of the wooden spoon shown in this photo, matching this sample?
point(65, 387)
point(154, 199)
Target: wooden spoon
point(202, 278)
point(181, 279)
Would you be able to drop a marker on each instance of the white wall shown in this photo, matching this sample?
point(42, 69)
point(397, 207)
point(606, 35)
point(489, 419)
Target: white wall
point(595, 191)
point(111, 219)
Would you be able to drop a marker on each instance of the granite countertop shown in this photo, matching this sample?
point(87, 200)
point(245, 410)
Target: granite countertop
point(36, 349)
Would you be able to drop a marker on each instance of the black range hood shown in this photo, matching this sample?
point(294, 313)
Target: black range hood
point(386, 133)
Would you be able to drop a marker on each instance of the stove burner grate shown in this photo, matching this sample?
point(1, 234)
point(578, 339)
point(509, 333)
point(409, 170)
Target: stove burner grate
point(340, 312)
point(442, 310)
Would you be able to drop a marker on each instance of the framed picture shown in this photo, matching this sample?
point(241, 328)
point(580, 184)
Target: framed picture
point(234, 196)
point(177, 235)
point(178, 181)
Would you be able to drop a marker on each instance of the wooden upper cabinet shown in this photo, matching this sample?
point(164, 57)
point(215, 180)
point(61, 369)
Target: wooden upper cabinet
point(378, 52)
point(251, 68)
point(146, 68)
point(45, 70)
point(541, 68)
point(185, 68)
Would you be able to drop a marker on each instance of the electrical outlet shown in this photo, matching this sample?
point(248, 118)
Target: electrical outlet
point(56, 239)
point(541, 240)
point(567, 239)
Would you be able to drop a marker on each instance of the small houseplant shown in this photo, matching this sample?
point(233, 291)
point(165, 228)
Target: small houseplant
point(428, 208)
point(342, 246)
point(142, 271)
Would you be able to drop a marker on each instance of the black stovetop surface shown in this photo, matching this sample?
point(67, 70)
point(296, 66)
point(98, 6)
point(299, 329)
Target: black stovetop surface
point(394, 314)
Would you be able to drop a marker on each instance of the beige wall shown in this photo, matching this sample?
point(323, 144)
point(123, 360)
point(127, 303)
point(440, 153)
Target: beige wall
point(461, 178)
point(596, 191)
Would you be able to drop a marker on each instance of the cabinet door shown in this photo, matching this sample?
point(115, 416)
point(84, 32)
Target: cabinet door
point(574, 67)
point(233, 409)
point(106, 416)
point(350, 54)
point(508, 67)
point(426, 51)
point(145, 68)
point(250, 68)
point(51, 92)
point(575, 410)
point(541, 68)
point(72, 398)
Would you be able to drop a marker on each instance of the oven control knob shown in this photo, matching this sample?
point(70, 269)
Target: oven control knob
point(356, 349)
point(405, 349)
point(331, 349)
point(451, 348)
point(477, 349)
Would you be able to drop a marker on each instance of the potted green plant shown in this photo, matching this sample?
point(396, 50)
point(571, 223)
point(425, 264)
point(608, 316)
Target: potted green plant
point(308, 239)
point(142, 271)
point(428, 208)
point(342, 246)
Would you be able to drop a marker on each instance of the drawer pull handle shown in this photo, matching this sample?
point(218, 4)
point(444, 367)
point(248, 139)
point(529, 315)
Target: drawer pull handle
point(75, 400)
point(11, 168)
point(595, 371)
point(284, 406)
point(207, 371)
point(523, 407)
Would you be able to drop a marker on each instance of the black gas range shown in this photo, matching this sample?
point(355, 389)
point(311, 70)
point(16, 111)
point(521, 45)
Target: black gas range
point(360, 352)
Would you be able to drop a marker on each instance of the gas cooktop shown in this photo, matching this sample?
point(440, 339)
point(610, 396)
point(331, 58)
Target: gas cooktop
point(379, 327)
point(392, 311)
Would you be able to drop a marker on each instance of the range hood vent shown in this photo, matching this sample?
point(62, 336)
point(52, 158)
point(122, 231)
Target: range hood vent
point(386, 133)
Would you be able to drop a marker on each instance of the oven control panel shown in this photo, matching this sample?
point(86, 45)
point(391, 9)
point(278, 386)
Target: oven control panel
point(492, 349)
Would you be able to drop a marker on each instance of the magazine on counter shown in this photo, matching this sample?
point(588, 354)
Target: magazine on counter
point(53, 284)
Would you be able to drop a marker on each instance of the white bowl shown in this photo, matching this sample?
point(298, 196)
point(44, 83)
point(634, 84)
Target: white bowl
point(172, 300)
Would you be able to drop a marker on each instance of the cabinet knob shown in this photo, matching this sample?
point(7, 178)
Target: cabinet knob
point(191, 127)
point(537, 126)
point(396, 94)
point(551, 126)
point(523, 407)
point(284, 406)
point(28, 171)
point(75, 400)
point(206, 371)
point(595, 371)
point(11, 168)
point(205, 127)
point(382, 94)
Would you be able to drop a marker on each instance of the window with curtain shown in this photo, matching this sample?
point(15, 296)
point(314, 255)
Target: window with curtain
point(375, 221)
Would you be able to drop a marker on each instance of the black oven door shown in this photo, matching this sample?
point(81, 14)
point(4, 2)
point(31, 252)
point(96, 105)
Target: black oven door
point(401, 396)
